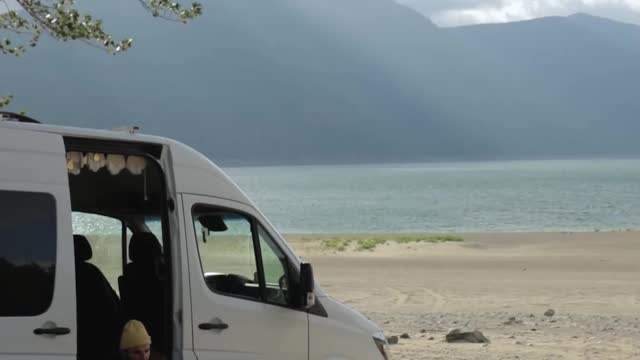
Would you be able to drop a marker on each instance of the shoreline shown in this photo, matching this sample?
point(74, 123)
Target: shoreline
point(231, 165)
point(298, 235)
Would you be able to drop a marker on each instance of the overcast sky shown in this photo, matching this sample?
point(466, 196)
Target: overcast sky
point(466, 12)
point(448, 13)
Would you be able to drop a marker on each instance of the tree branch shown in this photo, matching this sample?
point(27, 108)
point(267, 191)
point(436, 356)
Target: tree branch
point(4, 101)
point(61, 20)
point(170, 10)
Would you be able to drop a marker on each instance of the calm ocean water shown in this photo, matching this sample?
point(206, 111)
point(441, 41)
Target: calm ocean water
point(558, 195)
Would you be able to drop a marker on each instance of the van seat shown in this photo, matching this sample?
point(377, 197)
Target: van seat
point(142, 285)
point(98, 308)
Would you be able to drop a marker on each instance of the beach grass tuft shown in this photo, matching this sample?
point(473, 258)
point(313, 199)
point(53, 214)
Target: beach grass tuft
point(405, 239)
point(336, 244)
point(365, 243)
point(369, 244)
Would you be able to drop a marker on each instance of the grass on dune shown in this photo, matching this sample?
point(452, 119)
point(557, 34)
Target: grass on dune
point(369, 244)
point(431, 238)
point(337, 244)
point(340, 244)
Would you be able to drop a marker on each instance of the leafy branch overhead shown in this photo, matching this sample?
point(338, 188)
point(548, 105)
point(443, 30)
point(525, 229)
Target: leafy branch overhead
point(5, 100)
point(62, 21)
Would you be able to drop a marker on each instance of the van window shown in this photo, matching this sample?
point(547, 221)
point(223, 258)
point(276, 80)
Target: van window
point(27, 252)
point(227, 243)
point(275, 263)
point(227, 254)
point(104, 234)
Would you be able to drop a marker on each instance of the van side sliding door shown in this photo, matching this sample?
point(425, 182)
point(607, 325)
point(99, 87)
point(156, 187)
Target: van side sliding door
point(37, 278)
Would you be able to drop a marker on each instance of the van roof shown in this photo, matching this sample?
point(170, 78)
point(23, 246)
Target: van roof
point(104, 134)
point(194, 173)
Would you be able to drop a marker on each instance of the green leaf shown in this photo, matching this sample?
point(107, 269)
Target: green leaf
point(6, 100)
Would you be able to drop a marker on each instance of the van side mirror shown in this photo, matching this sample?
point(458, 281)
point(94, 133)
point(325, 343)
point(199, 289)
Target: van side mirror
point(307, 285)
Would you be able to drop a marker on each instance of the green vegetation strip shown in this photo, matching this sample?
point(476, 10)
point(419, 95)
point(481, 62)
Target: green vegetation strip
point(370, 243)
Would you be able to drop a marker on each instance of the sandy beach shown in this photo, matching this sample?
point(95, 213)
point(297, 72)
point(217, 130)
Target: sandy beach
point(590, 280)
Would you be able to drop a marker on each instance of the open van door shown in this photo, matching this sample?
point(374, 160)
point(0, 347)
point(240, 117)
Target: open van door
point(37, 278)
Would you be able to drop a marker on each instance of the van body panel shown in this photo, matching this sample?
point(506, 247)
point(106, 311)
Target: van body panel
point(186, 318)
point(181, 301)
point(256, 330)
point(344, 334)
point(35, 163)
point(29, 157)
point(196, 174)
point(88, 133)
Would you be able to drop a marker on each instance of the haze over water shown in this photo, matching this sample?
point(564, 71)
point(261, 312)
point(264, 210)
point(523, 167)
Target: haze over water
point(550, 195)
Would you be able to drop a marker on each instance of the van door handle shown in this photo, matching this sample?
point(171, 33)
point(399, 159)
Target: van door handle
point(52, 331)
point(211, 326)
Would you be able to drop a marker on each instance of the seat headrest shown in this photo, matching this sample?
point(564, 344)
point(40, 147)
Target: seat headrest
point(144, 247)
point(82, 248)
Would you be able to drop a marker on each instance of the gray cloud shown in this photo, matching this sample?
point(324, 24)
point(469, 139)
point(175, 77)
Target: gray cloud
point(466, 12)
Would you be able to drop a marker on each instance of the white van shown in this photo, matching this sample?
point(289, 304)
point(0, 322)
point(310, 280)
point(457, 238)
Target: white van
point(178, 246)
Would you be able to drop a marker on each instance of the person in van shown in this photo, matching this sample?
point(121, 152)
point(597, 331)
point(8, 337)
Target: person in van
point(135, 343)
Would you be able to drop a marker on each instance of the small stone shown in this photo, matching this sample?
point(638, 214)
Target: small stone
point(423, 331)
point(518, 343)
point(453, 331)
point(512, 337)
point(431, 338)
point(404, 336)
point(457, 336)
point(531, 316)
point(534, 329)
point(549, 313)
point(512, 320)
point(392, 340)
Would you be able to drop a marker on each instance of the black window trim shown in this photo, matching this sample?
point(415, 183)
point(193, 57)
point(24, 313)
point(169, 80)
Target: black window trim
point(255, 237)
point(254, 223)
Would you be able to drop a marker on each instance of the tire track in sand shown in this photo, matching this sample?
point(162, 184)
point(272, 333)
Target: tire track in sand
point(417, 296)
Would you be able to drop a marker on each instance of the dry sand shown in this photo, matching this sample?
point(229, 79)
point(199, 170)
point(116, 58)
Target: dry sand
point(591, 280)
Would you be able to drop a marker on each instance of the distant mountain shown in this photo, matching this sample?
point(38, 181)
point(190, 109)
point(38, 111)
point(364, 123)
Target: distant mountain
point(339, 81)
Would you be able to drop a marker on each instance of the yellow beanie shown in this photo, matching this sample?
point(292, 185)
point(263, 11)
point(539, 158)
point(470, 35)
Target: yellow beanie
point(134, 334)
